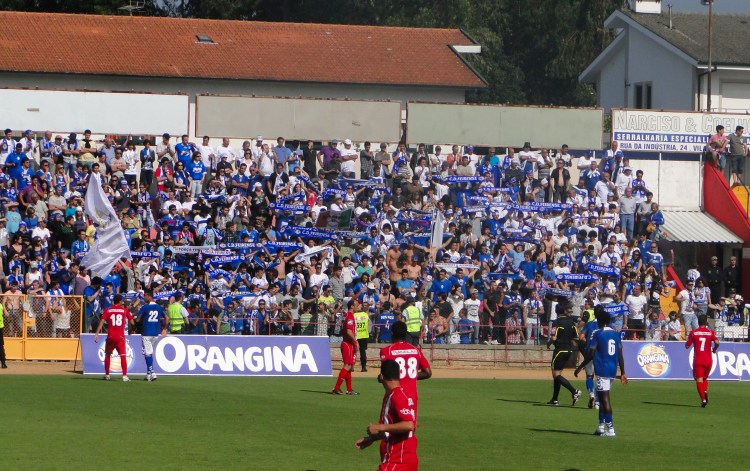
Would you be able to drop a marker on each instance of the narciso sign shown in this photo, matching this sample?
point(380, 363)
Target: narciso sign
point(670, 131)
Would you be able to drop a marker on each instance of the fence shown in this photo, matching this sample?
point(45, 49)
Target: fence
point(42, 327)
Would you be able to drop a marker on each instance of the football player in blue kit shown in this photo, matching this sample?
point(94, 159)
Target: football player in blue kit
point(153, 322)
point(605, 349)
point(587, 325)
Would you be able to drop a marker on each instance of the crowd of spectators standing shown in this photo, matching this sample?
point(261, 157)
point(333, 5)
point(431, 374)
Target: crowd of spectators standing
point(281, 238)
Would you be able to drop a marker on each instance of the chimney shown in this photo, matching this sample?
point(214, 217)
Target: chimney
point(645, 6)
point(669, 7)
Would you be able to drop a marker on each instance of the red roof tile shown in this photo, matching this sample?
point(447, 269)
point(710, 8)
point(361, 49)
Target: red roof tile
point(246, 50)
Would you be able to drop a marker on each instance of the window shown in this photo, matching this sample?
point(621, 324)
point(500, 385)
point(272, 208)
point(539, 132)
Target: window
point(643, 96)
point(204, 39)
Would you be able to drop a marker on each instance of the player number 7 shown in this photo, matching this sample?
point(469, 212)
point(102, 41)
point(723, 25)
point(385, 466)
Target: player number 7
point(703, 344)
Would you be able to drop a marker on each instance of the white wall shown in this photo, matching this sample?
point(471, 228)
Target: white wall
point(193, 87)
point(671, 76)
point(676, 184)
point(735, 83)
point(612, 82)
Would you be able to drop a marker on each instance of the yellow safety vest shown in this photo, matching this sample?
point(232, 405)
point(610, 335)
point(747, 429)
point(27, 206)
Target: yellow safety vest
point(363, 325)
point(413, 322)
point(176, 321)
point(2, 316)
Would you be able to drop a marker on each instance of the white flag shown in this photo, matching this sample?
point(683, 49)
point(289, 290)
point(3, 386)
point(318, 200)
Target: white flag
point(110, 244)
point(436, 238)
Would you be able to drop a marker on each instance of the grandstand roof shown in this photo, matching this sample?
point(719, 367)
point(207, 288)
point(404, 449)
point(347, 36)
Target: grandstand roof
point(243, 50)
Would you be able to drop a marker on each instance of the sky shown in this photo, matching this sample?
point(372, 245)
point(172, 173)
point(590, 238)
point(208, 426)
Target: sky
point(720, 6)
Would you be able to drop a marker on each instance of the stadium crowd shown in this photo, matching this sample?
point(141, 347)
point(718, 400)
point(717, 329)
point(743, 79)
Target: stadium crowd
point(284, 238)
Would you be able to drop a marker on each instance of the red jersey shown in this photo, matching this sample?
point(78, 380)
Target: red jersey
point(398, 447)
point(116, 317)
point(702, 338)
point(350, 324)
point(410, 359)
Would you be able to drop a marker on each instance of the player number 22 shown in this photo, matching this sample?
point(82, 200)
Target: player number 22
point(153, 316)
point(611, 347)
point(407, 367)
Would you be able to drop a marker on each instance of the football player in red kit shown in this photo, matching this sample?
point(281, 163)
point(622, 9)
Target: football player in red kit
point(398, 449)
point(349, 347)
point(705, 342)
point(115, 316)
point(413, 365)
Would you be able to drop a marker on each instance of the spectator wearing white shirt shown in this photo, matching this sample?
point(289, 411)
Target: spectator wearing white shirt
point(257, 149)
point(225, 150)
point(584, 162)
point(636, 312)
point(7, 145)
point(208, 155)
point(348, 158)
point(29, 144)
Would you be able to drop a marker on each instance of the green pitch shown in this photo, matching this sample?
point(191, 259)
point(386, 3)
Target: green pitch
point(75, 422)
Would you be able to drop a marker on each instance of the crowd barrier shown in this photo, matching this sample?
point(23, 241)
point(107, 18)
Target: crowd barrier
point(227, 355)
point(41, 327)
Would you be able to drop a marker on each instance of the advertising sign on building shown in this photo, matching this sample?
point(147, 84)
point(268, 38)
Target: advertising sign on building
point(671, 131)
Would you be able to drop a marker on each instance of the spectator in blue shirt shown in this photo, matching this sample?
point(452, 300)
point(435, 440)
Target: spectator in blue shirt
point(196, 170)
point(591, 176)
point(185, 151)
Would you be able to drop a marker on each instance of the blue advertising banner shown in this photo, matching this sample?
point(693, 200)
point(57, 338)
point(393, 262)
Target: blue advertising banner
point(670, 360)
point(217, 355)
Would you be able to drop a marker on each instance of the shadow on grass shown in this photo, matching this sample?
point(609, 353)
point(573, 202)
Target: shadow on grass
point(650, 403)
point(327, 392)
point(552, 430)
point(519, 400)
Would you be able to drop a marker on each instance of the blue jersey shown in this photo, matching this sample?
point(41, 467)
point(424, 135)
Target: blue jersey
point(153, 319)
point(606, 344)
point(384, 322)
point(588, 330)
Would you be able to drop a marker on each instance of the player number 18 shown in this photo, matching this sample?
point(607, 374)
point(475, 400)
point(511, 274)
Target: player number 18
point(407, 367)
point(115, 319)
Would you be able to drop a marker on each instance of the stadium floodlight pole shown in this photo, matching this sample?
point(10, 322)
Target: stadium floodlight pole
point(710, 4)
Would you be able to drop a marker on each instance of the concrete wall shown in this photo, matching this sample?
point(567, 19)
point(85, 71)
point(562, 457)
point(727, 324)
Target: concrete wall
point(194, 87)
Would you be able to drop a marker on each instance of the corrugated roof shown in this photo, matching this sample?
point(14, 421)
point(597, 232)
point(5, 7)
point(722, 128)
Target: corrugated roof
point(245, 50)
point(689, 33)
point(696, 226)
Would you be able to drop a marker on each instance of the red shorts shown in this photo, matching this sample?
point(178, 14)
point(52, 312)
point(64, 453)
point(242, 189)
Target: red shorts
point(113, 344)
point(398, 467)
point(701, 370)
point(347, 353)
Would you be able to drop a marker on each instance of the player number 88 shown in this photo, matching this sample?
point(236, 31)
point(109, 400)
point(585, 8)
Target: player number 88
point(407, 367)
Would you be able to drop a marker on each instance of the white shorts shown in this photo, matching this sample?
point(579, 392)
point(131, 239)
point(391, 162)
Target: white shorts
point(603, 384)
point(148, 344)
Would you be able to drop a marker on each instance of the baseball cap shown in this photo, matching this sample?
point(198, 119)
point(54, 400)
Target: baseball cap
point(347, 142)
point(259, 138)
point(469, 147)
point(335, 141)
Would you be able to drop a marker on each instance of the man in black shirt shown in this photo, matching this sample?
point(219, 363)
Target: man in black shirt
point(714, 277)
point(732, 277)
point(564, 335)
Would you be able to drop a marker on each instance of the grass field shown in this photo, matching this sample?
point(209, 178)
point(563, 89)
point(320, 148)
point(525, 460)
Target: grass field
point(76, 422)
